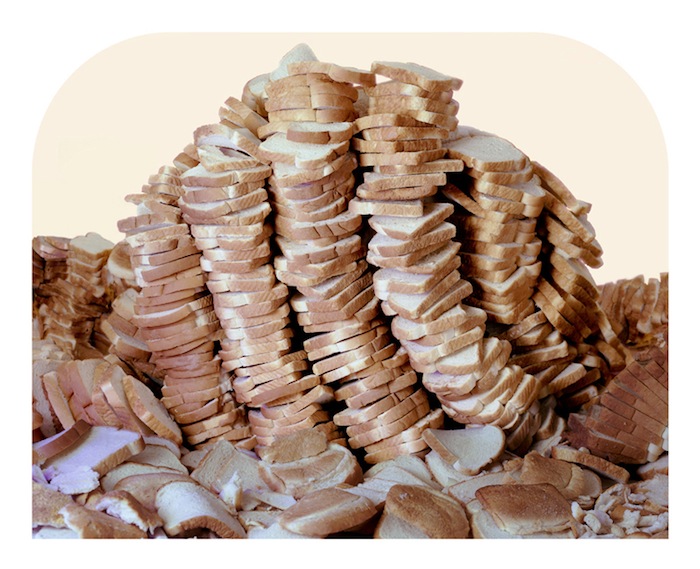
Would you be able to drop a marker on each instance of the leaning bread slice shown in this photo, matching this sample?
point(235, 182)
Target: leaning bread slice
point(469, 450)
point(150, 410)
point(595, 463)
point(327, 511)
point(100, 449)
point(187, 507)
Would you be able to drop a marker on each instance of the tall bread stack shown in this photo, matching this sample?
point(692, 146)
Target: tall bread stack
point(227, 206)
point(311, 109)
point(418, 276)
point(173, 310)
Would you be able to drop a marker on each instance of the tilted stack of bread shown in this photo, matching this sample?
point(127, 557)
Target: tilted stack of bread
point(341, 313)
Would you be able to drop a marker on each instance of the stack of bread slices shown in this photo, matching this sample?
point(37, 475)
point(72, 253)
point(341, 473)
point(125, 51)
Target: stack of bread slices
point(637, 308)
point(75, 296)
point(226, 205)
point(310, 106)
point(418, 277)
point(500, 199)
point(174, 313)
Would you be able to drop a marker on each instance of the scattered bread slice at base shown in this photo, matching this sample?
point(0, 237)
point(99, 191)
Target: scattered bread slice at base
point(431, 512)
point(93, 524)
point(525, 509)
point(327, 511)
point(187, 507)
point(144, 487)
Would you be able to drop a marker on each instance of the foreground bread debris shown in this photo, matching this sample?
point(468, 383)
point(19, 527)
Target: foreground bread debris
point(341, 313)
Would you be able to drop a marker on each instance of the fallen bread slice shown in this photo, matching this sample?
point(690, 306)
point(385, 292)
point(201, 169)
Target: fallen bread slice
point(46, 506)
point(469, 450)
point(93, 524)
point(186, 508)
point(333, 466)
point(327, 511)
point(526, 509)
point(124, 506)
point(431, 512)
point(565, 476)
point(144, 486)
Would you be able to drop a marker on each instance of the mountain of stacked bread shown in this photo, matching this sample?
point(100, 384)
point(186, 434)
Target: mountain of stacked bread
point(339, 312)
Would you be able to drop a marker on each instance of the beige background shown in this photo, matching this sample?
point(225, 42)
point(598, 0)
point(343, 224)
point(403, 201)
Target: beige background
point(132, 107)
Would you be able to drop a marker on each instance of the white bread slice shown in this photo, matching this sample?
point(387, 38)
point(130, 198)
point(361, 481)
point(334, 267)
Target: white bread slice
point(411, 228)
point(388, 246)
point(100, 449)
point(46, 505)
point(150, 410)
point(327, 511)
point(465, 491)
point(526, 509)
point(411, 463)
point(468, 450)
point(388, 281)
point(432, 512)
point(319, 133)
point(157, 455)
point(124, 506)
point(487, 153)
point(393, 527)
point(333, 466)
point(459, 315)
point(186, 507)
point(93, 524)
point(273, 531)
point(145, 486)
point(415, 74)
point(278, 148)
point(55, 444)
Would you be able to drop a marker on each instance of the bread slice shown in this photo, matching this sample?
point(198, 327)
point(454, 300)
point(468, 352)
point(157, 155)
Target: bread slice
point(47, 504)
point(434, 513)
point(415, 74)
point(595, 463)
point(99, 449)
point(327, 511)
point(487, 153)
point(468, 450)
point(124, 506)
point(525, 509)
point(187, 507)
point(144, 486)
point(93, 524)
point(150, 410)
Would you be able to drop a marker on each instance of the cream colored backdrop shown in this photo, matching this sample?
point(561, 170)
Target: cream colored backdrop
point(132, 107)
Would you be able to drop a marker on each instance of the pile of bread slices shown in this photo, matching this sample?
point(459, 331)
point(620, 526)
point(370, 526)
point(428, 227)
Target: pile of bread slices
point(339, 312)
